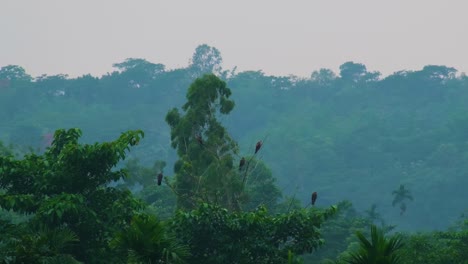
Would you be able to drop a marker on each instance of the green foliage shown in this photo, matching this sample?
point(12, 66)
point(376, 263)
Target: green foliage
point(340, 131)
point(216, 235)
point(287, 205)
point(4, 150)
point(379, 250)
point(292, 259)
point(372, 213)
point(260, 187)
point(14, 73)
point(68, 186)
point(437, 247)
point(339, 232)
point(138, 174)
point(38, 246)
point(146, 240)
point(356, 72)
point(205, 169)
point(160, 199)
point(350, 135)
point(205, 60)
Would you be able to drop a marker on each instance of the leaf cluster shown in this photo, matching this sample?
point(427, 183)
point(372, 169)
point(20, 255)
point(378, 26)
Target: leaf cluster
point(216, 235)
point(68, 187)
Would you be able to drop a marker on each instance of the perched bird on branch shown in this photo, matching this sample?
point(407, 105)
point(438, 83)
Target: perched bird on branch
point(314, 198)
point(258, 146)
point(241, 163)
point(160, 178)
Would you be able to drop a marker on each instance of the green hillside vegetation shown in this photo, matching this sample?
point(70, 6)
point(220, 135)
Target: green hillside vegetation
point(81, 156)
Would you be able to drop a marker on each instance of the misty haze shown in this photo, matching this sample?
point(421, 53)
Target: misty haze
point(203, 161)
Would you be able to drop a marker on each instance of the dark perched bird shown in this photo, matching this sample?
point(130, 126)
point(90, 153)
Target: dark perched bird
point(160, 177)
point(314, 197)
point(199, 139)
point(258, 146)
point(241, 163)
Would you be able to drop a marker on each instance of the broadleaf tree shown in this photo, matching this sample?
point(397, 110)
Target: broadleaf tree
point(205, 170)
point(69, 187)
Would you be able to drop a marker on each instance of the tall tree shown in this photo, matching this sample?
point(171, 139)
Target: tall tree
point(323, 77)
point(14, 73)
point(139, 72)
point(206, 59)
point(205, 170)
point(357, 72)
point(68, 187)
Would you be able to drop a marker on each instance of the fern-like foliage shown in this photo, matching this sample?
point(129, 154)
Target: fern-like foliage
point(379, 250)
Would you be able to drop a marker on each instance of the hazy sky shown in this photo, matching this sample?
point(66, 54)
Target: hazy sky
point(278, 37)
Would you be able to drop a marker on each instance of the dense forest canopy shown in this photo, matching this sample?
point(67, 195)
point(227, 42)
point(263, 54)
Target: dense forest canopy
point(207, 165)
point(352, 134)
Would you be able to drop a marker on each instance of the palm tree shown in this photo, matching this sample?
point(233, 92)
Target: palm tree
point(43, 246)
point(379, 250)
point(372, 213)
point(147, 241)
point(401, 195)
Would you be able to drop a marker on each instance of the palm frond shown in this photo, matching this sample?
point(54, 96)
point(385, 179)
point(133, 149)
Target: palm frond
point(378, 250)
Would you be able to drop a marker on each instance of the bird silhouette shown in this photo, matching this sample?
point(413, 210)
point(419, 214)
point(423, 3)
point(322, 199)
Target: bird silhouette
point(258, 146)
point(314, 198)
point(241, 163)
point(160, 177)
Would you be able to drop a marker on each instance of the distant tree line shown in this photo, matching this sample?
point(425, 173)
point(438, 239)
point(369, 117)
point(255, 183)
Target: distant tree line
point(352, 134)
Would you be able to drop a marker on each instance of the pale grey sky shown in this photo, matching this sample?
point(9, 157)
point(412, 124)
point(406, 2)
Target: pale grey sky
point(278, 37)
